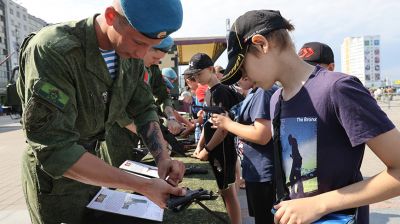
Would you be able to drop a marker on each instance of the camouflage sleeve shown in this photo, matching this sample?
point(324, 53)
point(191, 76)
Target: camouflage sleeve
point(141, 107)
point(159, 88)
point(49, 110)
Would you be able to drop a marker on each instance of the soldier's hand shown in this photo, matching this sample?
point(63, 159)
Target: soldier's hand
point(159, 191)
point(173, 169)
point(174, 127)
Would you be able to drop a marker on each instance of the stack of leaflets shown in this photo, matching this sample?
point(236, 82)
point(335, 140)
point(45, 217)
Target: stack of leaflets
point(127, 204)
point(140, 169)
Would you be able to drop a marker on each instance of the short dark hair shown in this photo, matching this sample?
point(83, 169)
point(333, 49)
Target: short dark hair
point(278, 38)
point(189, 77)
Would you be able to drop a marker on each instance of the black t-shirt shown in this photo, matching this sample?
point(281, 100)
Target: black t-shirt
point(223, 157)
point(223, 96)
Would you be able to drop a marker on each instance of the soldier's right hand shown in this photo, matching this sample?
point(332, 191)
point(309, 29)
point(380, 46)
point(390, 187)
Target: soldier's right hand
point(159, 191)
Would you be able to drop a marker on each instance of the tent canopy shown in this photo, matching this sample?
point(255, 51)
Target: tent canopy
point(187, 47)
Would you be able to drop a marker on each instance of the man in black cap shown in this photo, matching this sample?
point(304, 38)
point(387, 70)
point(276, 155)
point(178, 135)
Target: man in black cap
point(316, 53)
point(77, 79)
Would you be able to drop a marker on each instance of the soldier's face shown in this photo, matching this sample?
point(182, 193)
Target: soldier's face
point(153, 57)
point(128, 42)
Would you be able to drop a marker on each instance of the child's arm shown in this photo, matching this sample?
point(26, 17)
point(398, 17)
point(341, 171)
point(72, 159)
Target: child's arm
point(381, 187)
point(216, 139)
point(200, 144)
point(259, 132)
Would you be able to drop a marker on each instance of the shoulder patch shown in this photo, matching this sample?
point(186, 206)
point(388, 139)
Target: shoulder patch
point(51, 94)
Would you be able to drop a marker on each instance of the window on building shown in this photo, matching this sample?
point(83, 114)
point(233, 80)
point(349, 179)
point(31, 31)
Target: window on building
point(24, 17)
point(366, 43)
point(25, 28)
point(18, 14)
point(11, 11)
point(376, 42)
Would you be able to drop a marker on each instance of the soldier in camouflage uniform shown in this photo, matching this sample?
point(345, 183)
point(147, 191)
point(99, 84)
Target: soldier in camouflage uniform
point(69, 100)
point(120, 141)
point(157, 83)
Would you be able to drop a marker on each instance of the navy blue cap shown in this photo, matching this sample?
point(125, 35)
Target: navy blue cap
point(155, 19)
point(198, 62)
point(165, 45)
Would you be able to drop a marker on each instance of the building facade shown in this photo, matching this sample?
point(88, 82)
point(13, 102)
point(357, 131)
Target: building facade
point(15, 24)
point(360, 57)
point(4, 66)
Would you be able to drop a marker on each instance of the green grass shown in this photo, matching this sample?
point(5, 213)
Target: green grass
point(194, 213)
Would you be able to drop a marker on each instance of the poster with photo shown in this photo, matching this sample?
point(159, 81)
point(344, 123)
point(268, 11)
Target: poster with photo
point(299, 144)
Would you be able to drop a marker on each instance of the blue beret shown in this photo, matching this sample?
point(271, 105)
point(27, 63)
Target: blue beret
point(154, 18)
point(168, 83)
point(165, 45)
point(169, 73)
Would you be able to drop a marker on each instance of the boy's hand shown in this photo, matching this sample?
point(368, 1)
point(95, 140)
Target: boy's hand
point(220, 120)
point(304, 210)
point(203, 155)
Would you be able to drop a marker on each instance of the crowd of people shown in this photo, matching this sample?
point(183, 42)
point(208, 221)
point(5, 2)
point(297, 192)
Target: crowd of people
point(92, 89)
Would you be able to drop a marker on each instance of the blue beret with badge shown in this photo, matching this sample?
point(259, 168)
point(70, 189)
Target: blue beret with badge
point(169, 73)
point(168, 83)
point(165, 45)
point(155, 19)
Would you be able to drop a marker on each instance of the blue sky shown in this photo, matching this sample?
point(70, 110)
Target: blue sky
point(324, 21)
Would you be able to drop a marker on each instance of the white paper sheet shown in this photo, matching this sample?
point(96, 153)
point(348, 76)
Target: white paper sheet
point(126, 204)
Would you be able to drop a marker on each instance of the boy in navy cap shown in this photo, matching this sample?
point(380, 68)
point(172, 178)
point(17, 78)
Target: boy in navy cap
point(78, 79)
point(316, 53)
point(320, 119)
point(217, 146)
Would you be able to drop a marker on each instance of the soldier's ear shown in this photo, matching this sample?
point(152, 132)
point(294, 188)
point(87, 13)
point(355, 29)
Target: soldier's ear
point(111, 15)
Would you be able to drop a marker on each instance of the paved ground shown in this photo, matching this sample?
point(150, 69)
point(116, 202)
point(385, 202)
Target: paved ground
point(12, 204)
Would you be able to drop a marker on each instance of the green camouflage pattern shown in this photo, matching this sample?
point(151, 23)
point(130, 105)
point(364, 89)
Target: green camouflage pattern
point(121, 142)
point(69, 99)
point(158, 87)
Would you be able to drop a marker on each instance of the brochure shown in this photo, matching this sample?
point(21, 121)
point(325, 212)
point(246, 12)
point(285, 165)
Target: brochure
point(140, 168)
point(126, 204)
